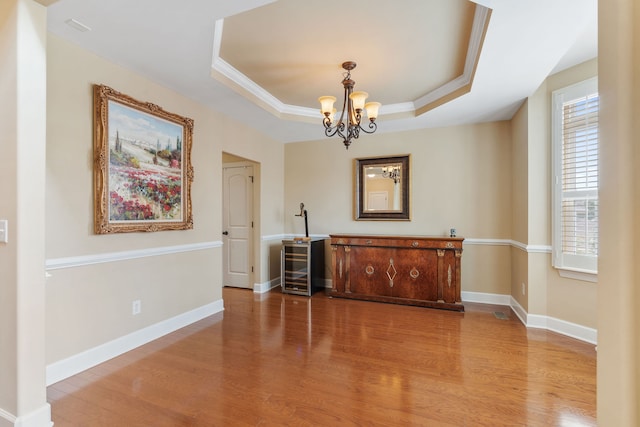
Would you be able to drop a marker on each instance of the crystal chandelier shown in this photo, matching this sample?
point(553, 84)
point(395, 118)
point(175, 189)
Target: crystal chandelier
point(349, 124)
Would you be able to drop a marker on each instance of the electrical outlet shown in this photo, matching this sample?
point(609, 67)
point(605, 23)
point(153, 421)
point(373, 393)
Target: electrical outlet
point(136, 307)
point(524, 289)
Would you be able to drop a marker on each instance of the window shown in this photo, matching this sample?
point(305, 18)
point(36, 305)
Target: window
point(575, 180)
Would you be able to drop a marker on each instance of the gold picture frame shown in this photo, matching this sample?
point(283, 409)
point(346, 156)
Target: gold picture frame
point(142, 165)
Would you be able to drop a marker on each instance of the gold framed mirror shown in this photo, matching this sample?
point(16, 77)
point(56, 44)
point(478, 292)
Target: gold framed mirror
point(382, 188)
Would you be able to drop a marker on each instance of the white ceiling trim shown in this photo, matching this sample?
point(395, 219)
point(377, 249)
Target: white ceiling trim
point(480, 23)
point(224, 72)
point(526, 41)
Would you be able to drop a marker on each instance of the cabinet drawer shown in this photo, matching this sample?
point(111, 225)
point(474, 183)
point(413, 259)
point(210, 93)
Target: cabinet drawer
point(397, 242)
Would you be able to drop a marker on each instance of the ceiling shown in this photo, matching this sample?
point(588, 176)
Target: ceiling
point(431, 63)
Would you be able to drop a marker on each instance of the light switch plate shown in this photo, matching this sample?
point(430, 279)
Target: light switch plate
point(4, 231)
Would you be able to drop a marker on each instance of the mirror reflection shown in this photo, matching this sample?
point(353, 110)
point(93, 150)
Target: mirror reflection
point(382, 188)
point(382, 184)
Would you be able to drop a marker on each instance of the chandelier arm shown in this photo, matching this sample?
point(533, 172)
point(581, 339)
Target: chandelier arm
point(372, 126)
point(354, 132)
point(334, 130)
point(340, 129)
point(330, 131)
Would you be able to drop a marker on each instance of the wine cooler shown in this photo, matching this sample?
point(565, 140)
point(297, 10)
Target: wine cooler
point(302, 270)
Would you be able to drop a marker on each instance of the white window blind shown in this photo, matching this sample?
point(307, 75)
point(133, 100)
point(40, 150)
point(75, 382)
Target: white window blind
point(580, 176)
point(576, 177)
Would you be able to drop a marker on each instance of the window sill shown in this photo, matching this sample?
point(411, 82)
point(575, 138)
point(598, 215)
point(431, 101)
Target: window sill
point(574, 273)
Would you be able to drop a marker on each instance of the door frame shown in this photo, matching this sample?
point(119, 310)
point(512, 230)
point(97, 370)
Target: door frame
point(255, 232)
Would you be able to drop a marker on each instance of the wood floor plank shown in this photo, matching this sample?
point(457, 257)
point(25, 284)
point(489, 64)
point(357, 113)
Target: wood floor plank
point(293, 360)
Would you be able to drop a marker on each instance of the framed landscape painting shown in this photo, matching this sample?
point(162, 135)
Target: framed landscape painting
point(142, 170)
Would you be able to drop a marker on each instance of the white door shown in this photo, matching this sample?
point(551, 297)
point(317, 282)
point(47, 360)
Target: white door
point(237, 238)
point(378, 201)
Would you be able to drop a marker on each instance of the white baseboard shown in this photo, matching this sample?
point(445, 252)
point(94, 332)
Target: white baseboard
point(563, 327)
point(66, 368)
point(7, 419)
point(518, 310)
point(553, 324)
point(261, 288)
point(41, 417)
point(485, 298)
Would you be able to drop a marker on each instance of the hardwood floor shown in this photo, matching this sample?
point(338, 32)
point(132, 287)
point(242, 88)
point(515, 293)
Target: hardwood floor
point(279, 359)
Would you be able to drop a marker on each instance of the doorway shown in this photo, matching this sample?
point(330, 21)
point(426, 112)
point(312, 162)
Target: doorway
point(238, 222)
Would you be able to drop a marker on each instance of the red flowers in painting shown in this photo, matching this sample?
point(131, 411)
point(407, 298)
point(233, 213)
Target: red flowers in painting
point(127, 209)
point(139, 194)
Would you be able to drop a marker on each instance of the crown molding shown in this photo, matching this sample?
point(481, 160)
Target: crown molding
point(224, 72)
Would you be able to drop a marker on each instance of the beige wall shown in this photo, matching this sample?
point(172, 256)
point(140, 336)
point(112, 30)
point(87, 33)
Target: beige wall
point(519, 174)
point(22, 289)
point(567, 299)
point(486, 268)
point(520, 275)
point(546, 292)
point(619, 257)
point(538, 201)
point(460, 178)
point(91, 304)
point(520, 204)
point(538, 291)
point(8, 201)
point(539, 167)
point(572, 300)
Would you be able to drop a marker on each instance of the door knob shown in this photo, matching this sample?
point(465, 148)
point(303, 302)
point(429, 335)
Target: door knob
point(226, 233)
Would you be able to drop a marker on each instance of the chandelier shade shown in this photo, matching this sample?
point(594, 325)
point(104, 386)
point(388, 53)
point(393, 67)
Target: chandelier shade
point(358, 99)
point(354, 103)
point(326, 103)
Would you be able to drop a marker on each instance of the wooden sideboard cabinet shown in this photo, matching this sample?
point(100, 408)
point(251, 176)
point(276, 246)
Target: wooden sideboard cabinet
point(412, 270)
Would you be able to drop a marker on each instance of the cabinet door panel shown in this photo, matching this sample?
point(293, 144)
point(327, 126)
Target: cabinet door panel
point(417, 275)
point(338, 267)
point(449, 280)
point(368, 270)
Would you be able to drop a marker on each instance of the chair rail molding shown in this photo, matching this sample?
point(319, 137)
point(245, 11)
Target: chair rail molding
point(79, 261)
